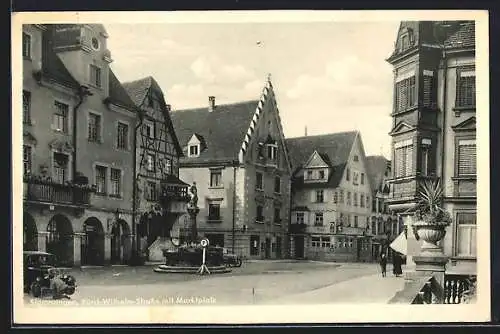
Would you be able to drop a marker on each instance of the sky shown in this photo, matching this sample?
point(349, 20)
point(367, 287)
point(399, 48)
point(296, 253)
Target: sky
point(327, 76)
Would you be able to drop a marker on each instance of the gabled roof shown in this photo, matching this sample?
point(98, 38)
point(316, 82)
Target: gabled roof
point(376, 167)
point(334, 148)
point(223, 129)
point(138, 90)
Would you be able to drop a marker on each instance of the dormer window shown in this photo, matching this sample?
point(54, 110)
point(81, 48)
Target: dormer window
point(95, 75)
point(321, 174)
point(194, 150)
point(309, 174)
point(95, 43)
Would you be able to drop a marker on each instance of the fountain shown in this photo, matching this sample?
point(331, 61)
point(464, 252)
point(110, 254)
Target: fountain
point(196, 256)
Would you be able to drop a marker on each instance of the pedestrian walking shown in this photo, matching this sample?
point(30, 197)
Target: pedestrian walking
point(396, 264)
point(383, 264)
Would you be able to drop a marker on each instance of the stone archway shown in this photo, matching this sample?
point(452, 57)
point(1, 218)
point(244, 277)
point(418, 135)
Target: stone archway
point(60, 239)
point(30, 233)
point(92, 248)
point(121, 242)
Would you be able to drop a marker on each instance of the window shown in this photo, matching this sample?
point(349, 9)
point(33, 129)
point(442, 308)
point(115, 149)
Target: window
point(100, 178)
point(151, 193)
point(335, 197)
point(405, 42)
point(347, 175)
point(355, 221)
point(95, 75)
point(60, 167)
point(116, 182)
point(429, 87)
point(321, 174)
point(193, 150)
point(362, 178)
point(27, 162)
point(26, 107)
point(277, 184)
point(148, 131)
point(355, 178)
point(168, 166)
point(95, 43)
point(466, 234)
point(319, 196)
point(215, 178)
point(341, 196)
point(466, 87)
point(214, 212)
point(325, 242)
point(277, 215)
point(315, 242)
point(260, 214)
point(150, 162)
point(406, 94)
point(318, 219)
point(348, 220)
point(355, 199)
point(26, 46)
point(362, 200)
point(425, 152)
point(94, 128)
point(254, 244)
point(348, 198)
point(122, 136)
point(300, 217)
point(403, 156)
point(466, 157)
point(272, 152)
point(60, 117)
point(309, 174)
point(368, 201)
point(259, 181)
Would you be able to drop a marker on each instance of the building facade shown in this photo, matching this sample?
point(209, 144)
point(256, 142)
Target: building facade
point(236, 156)
point(385, 225)
point(160, 196)
point(77, 181)
point(434, 127)
point(331, 198)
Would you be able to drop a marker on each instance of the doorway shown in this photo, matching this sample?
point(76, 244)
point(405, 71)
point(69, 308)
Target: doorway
point(268, 248)
point(299, 247)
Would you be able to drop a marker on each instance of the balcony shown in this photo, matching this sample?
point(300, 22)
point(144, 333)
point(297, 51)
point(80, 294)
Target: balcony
point(299, 228)
point(45, 191)
point(174, 197)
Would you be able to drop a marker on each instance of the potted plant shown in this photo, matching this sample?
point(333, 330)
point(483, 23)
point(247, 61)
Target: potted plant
point(431, 219)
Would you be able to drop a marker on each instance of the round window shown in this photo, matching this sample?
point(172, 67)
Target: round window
point(95, 43)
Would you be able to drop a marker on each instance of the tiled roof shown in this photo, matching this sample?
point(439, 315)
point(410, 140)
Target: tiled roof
point(138, 89)
point(334, 148)
point(118, 94)
point(376, 168)
point(52, 65)
point(222, 129)
point(170, 179)
point(463, 37)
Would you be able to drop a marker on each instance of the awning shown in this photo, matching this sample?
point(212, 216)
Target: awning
point(400, 244)
point(403, 207)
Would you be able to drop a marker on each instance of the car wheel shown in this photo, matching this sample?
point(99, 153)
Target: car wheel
point(36, 289)
point(238, 263)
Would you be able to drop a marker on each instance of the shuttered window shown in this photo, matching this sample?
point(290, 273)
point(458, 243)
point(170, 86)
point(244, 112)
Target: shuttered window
point(466, 87)
point(403, 156)
point(406, 94)
point(466, 157)
point(429, 89)
point(466, 234)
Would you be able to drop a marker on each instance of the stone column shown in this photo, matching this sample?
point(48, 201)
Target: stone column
point(107, 248)
point(42, 241)
point(77, 248)
point(193, 212)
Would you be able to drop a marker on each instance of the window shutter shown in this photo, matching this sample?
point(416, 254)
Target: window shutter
point(400, 169)
point(409, 160)
point(467, 158)
point(428, 93)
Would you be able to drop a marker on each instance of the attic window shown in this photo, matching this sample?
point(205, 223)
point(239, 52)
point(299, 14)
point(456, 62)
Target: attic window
point(95, 43)
point(194, 150)
point(356, 158)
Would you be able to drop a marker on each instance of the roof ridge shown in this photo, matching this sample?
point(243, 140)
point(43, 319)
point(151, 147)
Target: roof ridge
point(218, 105)
point(325, 134)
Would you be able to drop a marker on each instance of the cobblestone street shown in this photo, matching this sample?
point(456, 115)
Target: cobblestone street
point(260, 282)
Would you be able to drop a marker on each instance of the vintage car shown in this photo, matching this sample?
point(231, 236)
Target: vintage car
point(230, 259)
point(40, 271)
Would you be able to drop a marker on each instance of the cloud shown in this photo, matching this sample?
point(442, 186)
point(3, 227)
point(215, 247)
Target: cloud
point(349, 81)
point(211, 69)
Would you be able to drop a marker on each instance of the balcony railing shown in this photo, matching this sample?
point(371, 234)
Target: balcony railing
point(50, 192)
point(174, 193)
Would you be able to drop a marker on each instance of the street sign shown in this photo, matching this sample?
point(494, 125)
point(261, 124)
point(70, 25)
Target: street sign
point(204, 242)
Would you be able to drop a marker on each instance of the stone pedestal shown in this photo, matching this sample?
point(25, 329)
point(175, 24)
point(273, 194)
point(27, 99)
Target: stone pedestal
point(42, 241)
point(77, 248)
point(193, 213)
point(433, 264)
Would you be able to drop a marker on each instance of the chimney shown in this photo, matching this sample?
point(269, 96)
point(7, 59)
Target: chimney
point(211, 103)
point(168, 107)
point(305, 131)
